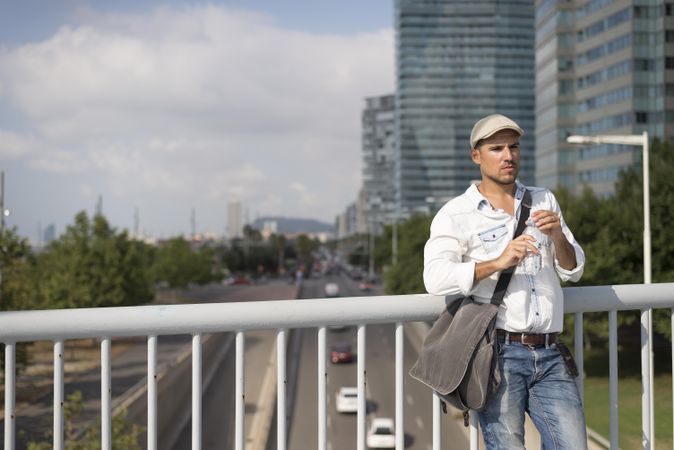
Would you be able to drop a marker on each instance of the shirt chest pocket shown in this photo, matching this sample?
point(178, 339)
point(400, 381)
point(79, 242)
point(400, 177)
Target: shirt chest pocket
point(494, 240)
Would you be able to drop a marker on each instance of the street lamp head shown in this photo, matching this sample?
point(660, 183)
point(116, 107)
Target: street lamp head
point(577, 139)
point(628, 139)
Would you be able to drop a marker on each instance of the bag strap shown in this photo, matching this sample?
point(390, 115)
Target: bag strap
point(506, 275)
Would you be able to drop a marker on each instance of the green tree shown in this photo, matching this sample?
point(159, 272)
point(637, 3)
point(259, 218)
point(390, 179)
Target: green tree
point(124, 436)
point(178, 265)
point(251, 234)
point(305, 245)
point(91, 265)
point(17, 266)
point(382, 248)
point(611, 233)
point(278, 244)
point(406, 277)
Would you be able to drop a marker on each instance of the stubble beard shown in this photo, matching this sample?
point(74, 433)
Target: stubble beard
point(504, 180)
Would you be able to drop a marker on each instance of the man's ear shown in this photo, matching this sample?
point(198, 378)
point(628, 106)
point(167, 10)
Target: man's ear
point(475, 156)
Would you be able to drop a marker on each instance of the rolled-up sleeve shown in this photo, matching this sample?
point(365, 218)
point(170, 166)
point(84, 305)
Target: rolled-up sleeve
point(444, 271)
point(574, 274)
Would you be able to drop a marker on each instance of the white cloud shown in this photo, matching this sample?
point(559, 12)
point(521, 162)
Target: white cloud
point(14, 145)
point(307, 198)
point(59, 161)
point(199, 101)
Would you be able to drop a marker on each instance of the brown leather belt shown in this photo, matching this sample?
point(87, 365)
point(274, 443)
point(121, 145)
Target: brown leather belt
point(527, 338)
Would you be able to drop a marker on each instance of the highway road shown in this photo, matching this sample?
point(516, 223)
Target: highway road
point(380, 343)
point(218, 397)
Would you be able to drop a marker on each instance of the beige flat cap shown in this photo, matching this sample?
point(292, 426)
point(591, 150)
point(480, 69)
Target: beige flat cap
point(489, 125)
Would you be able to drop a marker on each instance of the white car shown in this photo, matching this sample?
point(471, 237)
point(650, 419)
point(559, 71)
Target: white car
point(331, 290)
point(346, 400)
point(381, 433)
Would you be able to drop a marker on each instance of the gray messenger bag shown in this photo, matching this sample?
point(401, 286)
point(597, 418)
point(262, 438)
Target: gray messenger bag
point(459, 358)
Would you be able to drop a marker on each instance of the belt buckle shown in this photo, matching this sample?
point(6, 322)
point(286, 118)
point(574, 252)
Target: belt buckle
point(525, 337)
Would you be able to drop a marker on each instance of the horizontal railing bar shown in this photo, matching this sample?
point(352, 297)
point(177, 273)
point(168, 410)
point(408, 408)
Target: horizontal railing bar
point(60, 324)
point(618, 297)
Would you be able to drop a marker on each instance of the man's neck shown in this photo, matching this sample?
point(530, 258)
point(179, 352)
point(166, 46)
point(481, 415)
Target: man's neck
point(500, 196)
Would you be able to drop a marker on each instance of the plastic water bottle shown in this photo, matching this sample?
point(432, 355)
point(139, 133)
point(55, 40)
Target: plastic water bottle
point(531, 264)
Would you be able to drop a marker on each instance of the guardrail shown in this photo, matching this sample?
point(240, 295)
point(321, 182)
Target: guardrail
point(152, 321)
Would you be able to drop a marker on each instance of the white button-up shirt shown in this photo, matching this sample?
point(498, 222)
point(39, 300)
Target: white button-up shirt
point(467, 230)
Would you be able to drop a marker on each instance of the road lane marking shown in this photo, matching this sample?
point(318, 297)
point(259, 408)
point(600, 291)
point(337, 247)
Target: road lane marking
point(420, 423)
point(410, 399)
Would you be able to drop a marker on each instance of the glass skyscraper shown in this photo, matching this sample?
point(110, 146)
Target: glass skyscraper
point(457, 61)
point(603, 67)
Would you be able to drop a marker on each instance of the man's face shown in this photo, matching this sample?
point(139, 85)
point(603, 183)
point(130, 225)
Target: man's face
point(499, 157)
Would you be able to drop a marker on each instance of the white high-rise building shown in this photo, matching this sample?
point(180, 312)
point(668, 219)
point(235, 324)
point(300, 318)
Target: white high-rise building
point(602, 67)
point(378, 121)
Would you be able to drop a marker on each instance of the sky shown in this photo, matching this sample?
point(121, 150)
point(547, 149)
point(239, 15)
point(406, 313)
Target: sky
point(162, 107)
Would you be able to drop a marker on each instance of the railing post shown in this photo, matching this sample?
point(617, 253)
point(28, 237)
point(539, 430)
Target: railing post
point(651, 373)
point(322, 388)
point(281, 383)
point(474, 423)
point(613, 377)
point(400, 378)
point(240, 407)
point(647, 442)
point(58, 396)
point(361, 380)
point(106, 396)
point(196, 391)
point(437, 423)
point(10, 394)
point(578, 353)
point(152, 393)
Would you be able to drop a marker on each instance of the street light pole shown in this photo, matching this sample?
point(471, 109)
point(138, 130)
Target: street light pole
point(648, 410)
point(394, 241)
point(636, 140)
point(647, 209)
point(648, 271)
point(371, 244)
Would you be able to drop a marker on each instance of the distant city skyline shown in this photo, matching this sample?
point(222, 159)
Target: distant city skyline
point(161, 107)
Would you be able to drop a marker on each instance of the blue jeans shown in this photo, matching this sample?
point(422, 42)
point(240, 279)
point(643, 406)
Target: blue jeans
point(534, 379)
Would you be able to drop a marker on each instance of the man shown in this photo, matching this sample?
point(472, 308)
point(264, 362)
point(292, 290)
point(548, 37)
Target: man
point(470, 244)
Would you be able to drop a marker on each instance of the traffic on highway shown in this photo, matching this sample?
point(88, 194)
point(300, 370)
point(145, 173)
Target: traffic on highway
point(380, 384)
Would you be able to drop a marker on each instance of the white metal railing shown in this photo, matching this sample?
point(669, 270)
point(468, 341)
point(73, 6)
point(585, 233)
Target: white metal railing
point(152, 321)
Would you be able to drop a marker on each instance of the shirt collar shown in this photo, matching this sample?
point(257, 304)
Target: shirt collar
point(481, 203)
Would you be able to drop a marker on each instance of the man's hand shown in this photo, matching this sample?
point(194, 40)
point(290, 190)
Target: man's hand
point(515, 252)
point(549, 223)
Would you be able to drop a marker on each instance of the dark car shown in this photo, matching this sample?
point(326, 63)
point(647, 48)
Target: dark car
point(341, 353)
